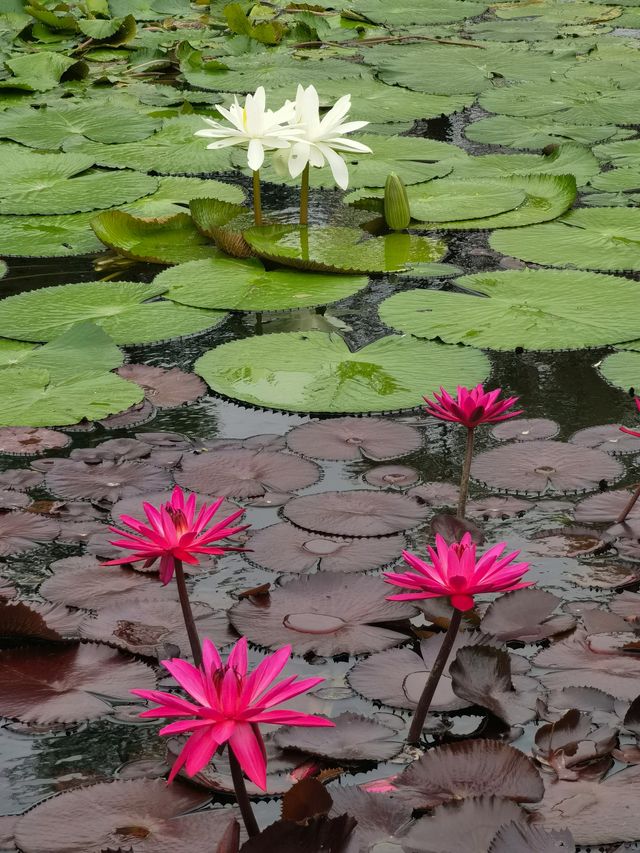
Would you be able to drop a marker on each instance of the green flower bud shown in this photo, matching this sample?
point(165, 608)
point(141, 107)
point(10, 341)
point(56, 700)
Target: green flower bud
point(396, 203)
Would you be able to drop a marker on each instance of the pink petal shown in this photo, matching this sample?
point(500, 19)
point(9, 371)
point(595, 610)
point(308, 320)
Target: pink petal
point(248, 748)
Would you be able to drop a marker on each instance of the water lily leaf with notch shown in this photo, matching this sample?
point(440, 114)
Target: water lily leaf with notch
point(168, 240)
point(551, 10)
point(110, 31)
point(620, 154)
point(600, 238)
point(236, 285)
point(174, 194)
point(101, 121)
point(42, 71)
point(622, 369)
point(531, 309)
point(617, 180)
point(224, 223)
point(316, 372)
point(538, 132)
point(405, 12)
point(339, 249)
point(65, 183)
point(151, 10)
point(120, 307)
point(48, 236)
point(567, 159)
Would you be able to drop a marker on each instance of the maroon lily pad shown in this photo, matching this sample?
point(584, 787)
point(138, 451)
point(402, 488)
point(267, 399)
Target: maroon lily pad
point(525, 615)
point(571, 748)
point(606, 506)
point(397, 677)
point(285, 548)
point(582, 661)
point(628, 549)
point(381, 820)
point(602, 574)
point(29, 441)
point(30, 620)
point(597, 620)
point(482, 676)
point(470, 768)
point(74, 532)
point(467, 826)
point(325, 613)
point(525, 429)
point(108, 481)
point(10, 499)
point(572, 541)
point(354, 738)
point(348, 438)
point(600, 706)
point(246, 473)
point(318, 835)
point(164, 388)
point(144, 815)
point(20, 479)
point(264, 441)
point(516, 838)
point(145, 627)
point(627, 605)
point(608, 437)
point(113, 450)
point(136, 415)
point(166, 440)
point(498, 507)
point(536, 467)
point(595, 812)
point(23, 531)
point(355, 513)
point(436, 494)
point(67, 685)
point(94, 586)
point(7, 589)
point(452, 529)
point(392, 476)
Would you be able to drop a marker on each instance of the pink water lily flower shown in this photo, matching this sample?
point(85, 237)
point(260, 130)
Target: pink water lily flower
point(471, 407)
point(632, 431)
point(174, 532)
point(456, 572)
point(228, 704)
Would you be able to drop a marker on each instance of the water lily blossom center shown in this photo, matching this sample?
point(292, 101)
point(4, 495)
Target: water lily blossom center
point(471, 406)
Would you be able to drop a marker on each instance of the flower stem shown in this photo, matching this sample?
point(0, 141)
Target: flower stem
point(257, 198)
point(420, 715)
point(464, 479)
point(304, 196)
point(187, 614)
point(629, 506)
point(242, 797)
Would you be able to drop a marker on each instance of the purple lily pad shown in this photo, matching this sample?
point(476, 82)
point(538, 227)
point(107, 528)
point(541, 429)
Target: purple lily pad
point(67, 685)
point(436, 494)
point(113, 450)
point(517, 838)
point(381, 820)
point(569, 542)
point(525, 615)
point(571, 748)
point(325, 613)
point(354, 738)
point(246, 473)
point(453, 529)
point(392, 476)
point(140, 413)
point(20, 479)
point(23, 531)
point(29, 441)
point(536, 467)
point(627, 605)
point(165, 440)
point(28, 620)
point(164, 388)
point(602, 574)
point(285, 548)
point(264, 441)
point(354, 513)
point(348, 438)
point(525, 429)
point(608, 437)
point(108, 481)
point(10, 499)
point(316, 835)
point(498, 507)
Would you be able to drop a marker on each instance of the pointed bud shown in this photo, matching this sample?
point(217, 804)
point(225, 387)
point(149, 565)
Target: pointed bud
point(396, 203)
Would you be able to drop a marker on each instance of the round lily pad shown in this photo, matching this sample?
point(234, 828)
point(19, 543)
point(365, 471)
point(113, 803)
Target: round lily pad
point(528, 309)
point(164, 388)
point(349, 438)
point(244, 285)
point(121, 308)
point(622, 369)
point(318, 373)
point(28, 441)
point(48, 236)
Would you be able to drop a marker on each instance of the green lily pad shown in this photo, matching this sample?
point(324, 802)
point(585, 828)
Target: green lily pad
point(4, 269)
point(621, 154)
point(51, 126)
point(317, 373)
point(567, 159)
point(552, 10)
point(174, 194)
point(48, 236)
point(599, 238)
point(168, 240)
point(402, 12)
point(13, 352)
point(151, 10)
point(42, 71)
point(224, 223)
point(66, 381)
point(245, 285)
point(622, 369)
point(345, 250)
point(538, 132)
point(120, 307)
point(64, 183)
point(111, 31)
point(617, 180)
point(528, 309)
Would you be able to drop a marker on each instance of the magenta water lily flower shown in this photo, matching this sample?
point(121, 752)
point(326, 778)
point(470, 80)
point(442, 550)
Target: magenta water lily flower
point(632, 431)
point(471, 407)
point(174, 532)
point(455, 571)
point(229, 703)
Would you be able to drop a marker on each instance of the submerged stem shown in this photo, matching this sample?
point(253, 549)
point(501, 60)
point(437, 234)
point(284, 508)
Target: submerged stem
point(629, 505)
point(466, 471)
point(242, 797)
point(187, 614)
point(257, 198)
point(420, 714)
point(304, 196)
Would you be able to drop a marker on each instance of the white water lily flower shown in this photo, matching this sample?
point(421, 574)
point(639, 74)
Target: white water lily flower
point(322, 138)
point(253, 124)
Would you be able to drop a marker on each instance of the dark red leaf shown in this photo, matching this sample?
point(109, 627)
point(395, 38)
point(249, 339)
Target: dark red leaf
point(518, 838)
point(525, 615)
point(164, 388)
point(307, 799)
point(608, 437)
point(452, 529)
point(320, 835)
point(525, 429)
point(347, 438)
point(392, 476)
point(22, 620)
point(107, 481)
point(141, 413)
point(354, 738)
point(382, 820)
point(29, 441)
point(23, 531)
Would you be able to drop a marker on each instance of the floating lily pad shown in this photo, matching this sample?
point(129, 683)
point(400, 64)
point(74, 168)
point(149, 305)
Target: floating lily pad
point(349, 438)
point(174, 194)
point(165, 388)
point(315, 372)
point(519, 838)
point(392, 476)
point(109, 481)
point(525, 429)
point(528, 309)
point(563, 160)
point(326, 613)
point(245, 285)
point(42, 71)
point(525, 615)
point(29, 441)
point(604, 238)
point(539, 131)
point(121, 308)
point(622, 369)
point(168, 240)
point(498, 507)
point(22, 621)
point(354, 738)
point(48, 236)
point(404, 12)
point(608, 437)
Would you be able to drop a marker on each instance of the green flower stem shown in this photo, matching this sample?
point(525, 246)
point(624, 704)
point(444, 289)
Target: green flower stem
point(464, 479)
point(629, 506)
point(257, 198)
point(304, 196)
point(420, 714)
point(242, 798)
point(187, 615)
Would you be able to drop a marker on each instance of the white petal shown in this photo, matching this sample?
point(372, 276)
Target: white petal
point(335, 115)
point(298, 158)
point(337, 165)
point(350, 126)
point(255, 156)
point(341, 144)
point(225, 143)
